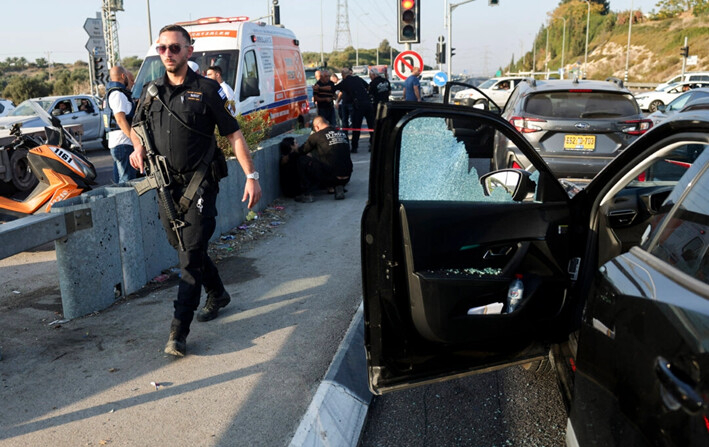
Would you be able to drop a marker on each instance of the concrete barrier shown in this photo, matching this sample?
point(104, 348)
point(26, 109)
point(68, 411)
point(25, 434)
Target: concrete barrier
point(123, 245)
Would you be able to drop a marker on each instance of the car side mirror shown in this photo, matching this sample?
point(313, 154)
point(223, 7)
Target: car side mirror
point(662, 108)
point(515, 182)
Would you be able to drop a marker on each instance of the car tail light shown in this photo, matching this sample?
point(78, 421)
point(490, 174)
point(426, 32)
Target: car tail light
point(526, 125)
point(636, 127)
point(683, 164)
point(642, 177)
point(516, 165)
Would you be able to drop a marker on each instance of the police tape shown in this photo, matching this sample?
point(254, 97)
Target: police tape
point(355, 130)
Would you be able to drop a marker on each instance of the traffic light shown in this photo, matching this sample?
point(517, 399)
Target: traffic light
point(409, 21)
point(684, 51)
point(493, 2)
point(440, 53)
point(98, 69)
point(452, 51)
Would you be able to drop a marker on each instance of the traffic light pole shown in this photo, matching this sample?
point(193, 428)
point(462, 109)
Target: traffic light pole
point(449, 56)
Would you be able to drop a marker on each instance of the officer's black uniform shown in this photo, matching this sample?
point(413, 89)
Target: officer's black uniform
point(356, 88)
point(200, 103)
point(332, 155)
point(379, 90)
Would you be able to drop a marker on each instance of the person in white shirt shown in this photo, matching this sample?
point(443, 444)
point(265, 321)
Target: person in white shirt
point(215, 72)
point(121, 108)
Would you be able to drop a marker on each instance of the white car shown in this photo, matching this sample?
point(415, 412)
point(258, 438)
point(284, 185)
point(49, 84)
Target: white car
point(692, 76)
point(650, 101)
point(426, 88)
point(6, 106)
point(497, 89)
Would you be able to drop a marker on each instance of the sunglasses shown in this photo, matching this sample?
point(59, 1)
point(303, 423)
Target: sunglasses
point(174, 48)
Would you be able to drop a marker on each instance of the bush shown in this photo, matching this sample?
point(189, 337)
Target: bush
point(256, 128)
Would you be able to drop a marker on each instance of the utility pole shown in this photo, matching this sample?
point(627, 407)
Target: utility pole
point(627, 54)
point(150, 27)
point(110, 30)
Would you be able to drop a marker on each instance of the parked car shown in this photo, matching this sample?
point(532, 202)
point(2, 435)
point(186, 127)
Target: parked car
point(650, 101)
point(615, 280)
point(576, 126)
point(665, 111)
point(497, 89)
point(74, 109)
point(690, 76)
point(426, 88)
point(6, 106)
point(397, 91)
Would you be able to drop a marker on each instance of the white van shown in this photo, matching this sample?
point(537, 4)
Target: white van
point(262, 63)
point(690, 76)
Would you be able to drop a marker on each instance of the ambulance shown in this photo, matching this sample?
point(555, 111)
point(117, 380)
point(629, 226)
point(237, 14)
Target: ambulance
point(262, 63)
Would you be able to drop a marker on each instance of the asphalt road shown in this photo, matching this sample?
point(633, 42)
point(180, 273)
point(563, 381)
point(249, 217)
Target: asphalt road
point(510, 407)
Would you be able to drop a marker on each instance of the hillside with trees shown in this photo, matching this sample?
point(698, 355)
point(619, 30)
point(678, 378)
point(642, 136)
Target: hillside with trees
point(656, 39)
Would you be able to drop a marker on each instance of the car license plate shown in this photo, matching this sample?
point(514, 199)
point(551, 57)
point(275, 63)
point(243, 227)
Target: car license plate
point(579, 142)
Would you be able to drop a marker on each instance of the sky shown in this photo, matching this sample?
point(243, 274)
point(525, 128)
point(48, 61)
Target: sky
point(485, 37)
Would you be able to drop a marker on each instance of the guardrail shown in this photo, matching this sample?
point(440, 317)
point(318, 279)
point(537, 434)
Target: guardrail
point(110, 242)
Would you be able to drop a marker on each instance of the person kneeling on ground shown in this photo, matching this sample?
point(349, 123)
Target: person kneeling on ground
point(331, 150)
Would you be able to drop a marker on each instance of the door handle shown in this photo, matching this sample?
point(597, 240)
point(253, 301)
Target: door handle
point(503, 251)
point(690, 400)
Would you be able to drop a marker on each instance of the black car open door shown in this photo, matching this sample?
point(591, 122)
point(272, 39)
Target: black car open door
point(439, 251)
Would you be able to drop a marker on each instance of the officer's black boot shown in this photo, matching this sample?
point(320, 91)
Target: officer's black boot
point(212, 306)
point(177, 343)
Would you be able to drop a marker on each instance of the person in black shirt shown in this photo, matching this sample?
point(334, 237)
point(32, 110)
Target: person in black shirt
point(379, 88)
point(324, 95)
point(355, 88)
point(182, 118)
point(331, 148)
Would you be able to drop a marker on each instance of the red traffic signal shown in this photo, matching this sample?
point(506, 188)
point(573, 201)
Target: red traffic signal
point(409, 21)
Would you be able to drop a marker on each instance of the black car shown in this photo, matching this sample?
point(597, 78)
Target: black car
point(616, 279)
point(577, 126)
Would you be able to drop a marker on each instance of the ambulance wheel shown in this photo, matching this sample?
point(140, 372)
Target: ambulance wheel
point(22, 176)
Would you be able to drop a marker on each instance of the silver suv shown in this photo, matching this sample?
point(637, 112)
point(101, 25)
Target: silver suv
point(576, 126)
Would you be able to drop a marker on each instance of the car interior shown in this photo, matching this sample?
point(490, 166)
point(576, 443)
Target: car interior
point(461, 249)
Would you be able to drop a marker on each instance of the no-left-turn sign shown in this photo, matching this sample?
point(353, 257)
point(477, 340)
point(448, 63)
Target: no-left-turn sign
point(405, 63)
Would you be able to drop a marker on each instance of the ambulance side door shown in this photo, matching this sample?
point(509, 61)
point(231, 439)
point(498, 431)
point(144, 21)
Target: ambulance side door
point(250, 92)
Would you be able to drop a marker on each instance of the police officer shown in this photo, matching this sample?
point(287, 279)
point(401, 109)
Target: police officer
point(182, 118)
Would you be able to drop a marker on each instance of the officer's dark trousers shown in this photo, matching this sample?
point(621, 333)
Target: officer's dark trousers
point(196, 268)
point(357, 114)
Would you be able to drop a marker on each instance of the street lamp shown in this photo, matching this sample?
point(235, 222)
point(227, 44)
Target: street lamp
point(630, 28)
point(588, 21)
point(563, 48)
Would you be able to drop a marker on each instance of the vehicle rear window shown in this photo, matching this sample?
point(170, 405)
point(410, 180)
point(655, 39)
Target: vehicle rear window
point(568, 104)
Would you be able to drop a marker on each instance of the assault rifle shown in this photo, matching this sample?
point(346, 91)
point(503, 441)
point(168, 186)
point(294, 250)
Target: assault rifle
point(158, 175)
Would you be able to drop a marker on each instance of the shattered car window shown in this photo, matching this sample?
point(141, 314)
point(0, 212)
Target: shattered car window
point(442, 159)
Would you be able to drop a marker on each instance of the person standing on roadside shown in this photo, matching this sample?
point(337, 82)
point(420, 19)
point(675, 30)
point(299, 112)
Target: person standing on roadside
point(355, 88)
point(412, 86)
point(324, 96)
point(182, 117)
point(379, 88)
point(121, 108)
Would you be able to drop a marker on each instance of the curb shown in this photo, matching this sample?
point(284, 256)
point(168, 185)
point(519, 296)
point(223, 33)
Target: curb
point(337, 413)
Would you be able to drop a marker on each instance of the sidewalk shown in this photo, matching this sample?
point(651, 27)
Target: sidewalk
point(249, 375)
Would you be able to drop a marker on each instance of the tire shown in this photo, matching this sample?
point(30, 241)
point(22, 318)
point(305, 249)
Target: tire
point(22, 177)
point(654, 104)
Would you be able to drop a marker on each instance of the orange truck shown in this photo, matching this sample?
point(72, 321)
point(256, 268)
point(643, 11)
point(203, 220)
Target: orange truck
point(262, 63)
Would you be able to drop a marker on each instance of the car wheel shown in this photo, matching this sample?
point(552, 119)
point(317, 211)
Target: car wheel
point(7, 189)
point(22, 176)
point(654, 105)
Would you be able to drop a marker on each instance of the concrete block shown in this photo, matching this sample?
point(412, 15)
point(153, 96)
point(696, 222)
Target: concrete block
point(89, 260)
point(158, 253)
point(130, 238)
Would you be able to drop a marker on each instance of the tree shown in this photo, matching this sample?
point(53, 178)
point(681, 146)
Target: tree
point(132, 63)
point(41, 62)
point(672, 8)
point(604, 3)
point(21, 87)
